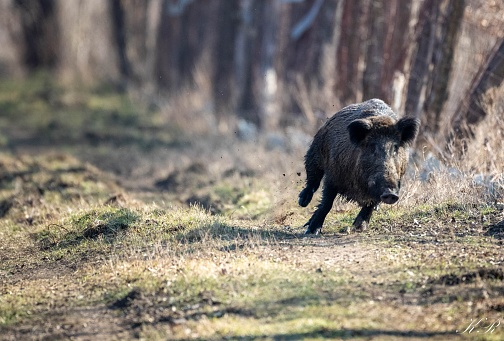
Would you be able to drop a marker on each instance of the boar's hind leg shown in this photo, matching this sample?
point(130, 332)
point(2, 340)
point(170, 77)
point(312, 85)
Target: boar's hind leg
point(317, 219)
point(313, 177)
point(360, 223)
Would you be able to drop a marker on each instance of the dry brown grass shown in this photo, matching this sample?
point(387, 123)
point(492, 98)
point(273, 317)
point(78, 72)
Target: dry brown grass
point(484, 153)
point(190, 109)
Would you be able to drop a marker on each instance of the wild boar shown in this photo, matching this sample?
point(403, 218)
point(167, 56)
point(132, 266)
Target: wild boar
point(362, 154)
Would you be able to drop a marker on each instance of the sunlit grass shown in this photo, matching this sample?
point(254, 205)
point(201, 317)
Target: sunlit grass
point(39, 111)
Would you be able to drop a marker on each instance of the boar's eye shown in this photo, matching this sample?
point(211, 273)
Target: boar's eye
point(395, 149)
point(373, 147)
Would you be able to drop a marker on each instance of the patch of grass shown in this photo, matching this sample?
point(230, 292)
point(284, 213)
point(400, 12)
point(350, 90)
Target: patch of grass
point(105, 224)
point(246, 296)
point(40, 111)
point(460, 219)
point(240, 286)
point(33, 191)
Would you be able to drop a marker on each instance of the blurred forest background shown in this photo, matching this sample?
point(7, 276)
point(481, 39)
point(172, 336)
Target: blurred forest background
point(270, 63)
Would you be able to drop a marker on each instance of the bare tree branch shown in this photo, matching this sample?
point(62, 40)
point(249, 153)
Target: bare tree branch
point(307, 20)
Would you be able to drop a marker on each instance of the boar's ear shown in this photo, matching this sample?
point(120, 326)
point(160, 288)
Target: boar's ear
point(408, 127)
point(358, 130)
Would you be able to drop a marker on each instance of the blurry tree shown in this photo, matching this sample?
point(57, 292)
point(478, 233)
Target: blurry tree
point(308, 62)
point(472, 110)
point(39, 27)
point(89, 49)
point(247, 41)
point(350, 50)
point(224, 58)
point(437, 34)
point(28, 36)
point(134, 32)
point(186, 32)
point(386, 46)
point(11, 64)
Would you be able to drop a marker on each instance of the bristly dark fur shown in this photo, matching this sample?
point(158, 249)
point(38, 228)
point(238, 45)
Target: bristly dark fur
point(362, 153)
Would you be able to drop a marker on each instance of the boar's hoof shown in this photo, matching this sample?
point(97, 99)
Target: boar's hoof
point(305, 197)
point(316, 232)
point(311, 229)
point(361, 227)
point(389, 198)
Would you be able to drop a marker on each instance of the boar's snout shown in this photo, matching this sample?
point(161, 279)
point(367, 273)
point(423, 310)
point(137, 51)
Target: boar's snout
point(389, 197)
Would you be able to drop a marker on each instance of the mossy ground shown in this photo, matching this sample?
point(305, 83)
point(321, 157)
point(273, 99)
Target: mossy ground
point(115, 225)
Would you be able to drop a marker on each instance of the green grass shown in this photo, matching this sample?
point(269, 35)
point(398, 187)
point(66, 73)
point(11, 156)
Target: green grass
point(41, 112)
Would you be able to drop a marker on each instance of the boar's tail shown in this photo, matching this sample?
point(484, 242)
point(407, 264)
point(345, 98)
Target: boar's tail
point(314, 174)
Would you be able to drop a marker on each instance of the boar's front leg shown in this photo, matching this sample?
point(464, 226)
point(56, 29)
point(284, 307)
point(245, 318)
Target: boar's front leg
point(361, 222)
point(317, 219)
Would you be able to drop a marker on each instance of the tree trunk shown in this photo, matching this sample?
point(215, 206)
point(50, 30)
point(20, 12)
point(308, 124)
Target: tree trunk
point(28, 36)
point(349, 51)
point(11, 40)
point(419, 71)
point(297, 53)
point(40, 33)
point(396, 45)
point(374, 57)
point(186, 30)
point(437, 87)
point(328, 61)
point(471, 111)
point(89, 52)
point(306, 65)
point(430, 74)
point(245, 45)
point(223, 57)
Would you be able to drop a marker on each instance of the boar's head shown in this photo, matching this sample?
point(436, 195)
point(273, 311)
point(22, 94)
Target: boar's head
point(382, 155)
